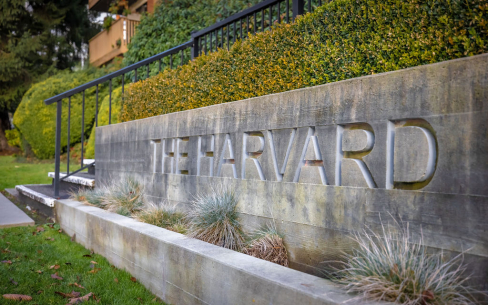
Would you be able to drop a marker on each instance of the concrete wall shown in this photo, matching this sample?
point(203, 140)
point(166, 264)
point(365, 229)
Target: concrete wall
point(330, 160)
point(183, 270)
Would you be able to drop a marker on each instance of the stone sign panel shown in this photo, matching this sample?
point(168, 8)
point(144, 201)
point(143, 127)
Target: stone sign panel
point(326, 161)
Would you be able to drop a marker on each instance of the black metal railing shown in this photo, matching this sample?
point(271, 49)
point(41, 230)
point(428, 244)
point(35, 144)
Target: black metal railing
point(258, 18)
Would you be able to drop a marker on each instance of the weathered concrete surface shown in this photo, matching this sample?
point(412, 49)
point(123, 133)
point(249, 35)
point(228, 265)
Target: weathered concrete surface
point(11, 215)
point(183, 270)
point(330, 160)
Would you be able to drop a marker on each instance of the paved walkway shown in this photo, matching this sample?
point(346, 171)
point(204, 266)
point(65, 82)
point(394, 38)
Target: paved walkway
point(11, 215)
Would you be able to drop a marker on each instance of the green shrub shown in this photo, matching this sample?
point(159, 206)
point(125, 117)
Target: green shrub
point(14, 138)
point(392, 266)
point(213, 218)
point(342, 39)
point(172, 22)
point(103, 118)
point(37, 122)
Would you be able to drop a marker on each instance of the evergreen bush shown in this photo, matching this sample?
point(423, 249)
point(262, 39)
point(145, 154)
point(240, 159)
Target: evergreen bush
point(37, 122)
point(103, 118)
point(342, 39)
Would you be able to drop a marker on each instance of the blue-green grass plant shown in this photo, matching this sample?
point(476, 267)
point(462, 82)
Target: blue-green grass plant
point(213, 218)
point(124, 196)
point(393, 266)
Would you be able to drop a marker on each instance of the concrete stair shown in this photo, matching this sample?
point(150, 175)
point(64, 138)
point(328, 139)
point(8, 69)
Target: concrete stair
point(41, 196)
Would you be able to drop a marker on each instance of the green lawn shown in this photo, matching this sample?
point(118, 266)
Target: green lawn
point(28, 261)
point(14, 173)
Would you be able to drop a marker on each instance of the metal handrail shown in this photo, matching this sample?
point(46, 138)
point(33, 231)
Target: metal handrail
point(203, 41)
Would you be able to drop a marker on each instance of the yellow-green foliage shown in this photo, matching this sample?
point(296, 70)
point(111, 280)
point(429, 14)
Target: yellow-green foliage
point(14, 138)
point(340, 40)
point(103, 119)
point(37, 122)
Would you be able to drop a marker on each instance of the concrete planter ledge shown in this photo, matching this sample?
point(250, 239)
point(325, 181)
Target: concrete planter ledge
point(182, 270)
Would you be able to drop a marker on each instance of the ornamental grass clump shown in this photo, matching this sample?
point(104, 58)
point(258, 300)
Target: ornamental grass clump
point(93, 197)
point(391, 267)
point(162, 216)
point(125, 196)
point(266, 243)
point(213, 218)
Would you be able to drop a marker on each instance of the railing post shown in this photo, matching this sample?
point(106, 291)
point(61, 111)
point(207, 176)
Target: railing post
point(57, 152)
point(298, 8)
point(195, 47)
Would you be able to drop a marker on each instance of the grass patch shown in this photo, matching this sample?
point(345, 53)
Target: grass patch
point(390, 266)
point(32, 257)
point(16, 173)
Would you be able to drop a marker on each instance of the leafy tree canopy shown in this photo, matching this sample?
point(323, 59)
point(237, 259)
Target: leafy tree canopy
point(38, 37)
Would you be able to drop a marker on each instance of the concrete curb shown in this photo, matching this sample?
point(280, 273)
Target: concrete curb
point(183, 270)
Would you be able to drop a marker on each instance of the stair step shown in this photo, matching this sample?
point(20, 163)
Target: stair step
point(80, 178)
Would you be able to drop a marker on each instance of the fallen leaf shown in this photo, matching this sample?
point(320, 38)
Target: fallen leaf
point(60, 230)
point(13, 282)
point(52, 238)
point(87, 255)
point(39, 251)
point(55, 267)
point(56, 276)
point(80, 299)
point(133, 279)
point(40, 229)
point(6, 251)
point(116, 280)
point(94, 262)
point(34, 233)
point(67, 263)
point(17, 297)
point(91, 252)
point(73, 237)
point(140, 300)
point(155, 299)
point(94, 270)
point(7, 262)
point(40, 291)
point(50, 225)
point(39, 271)
point(79, 286)
point(72, 294)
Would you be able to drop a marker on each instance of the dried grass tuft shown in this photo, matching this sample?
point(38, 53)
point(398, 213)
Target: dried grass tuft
point(393, 267)
point(267, 244)
point(213, 218)
point(162, 216)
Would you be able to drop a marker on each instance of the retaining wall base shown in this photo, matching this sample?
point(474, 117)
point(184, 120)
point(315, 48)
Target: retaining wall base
point(182, 270)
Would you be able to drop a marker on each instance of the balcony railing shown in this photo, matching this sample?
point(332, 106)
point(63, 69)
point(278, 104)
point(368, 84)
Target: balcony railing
point(223, 34)
point(113, 42)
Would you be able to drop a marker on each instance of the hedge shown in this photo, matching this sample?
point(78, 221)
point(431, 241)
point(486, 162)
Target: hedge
point(172, 23)
point(342, 39)
point(103, 119)
point(37, 122)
